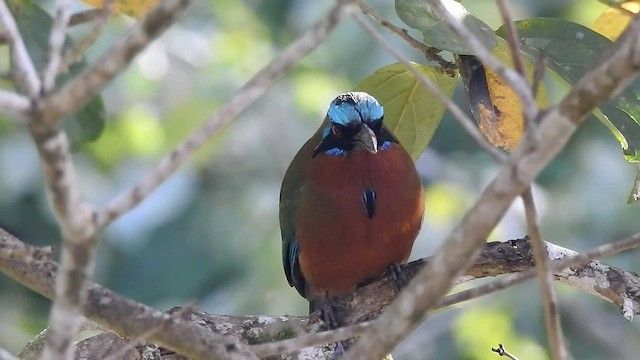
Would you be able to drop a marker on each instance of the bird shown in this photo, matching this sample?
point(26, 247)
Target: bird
point(351, 202)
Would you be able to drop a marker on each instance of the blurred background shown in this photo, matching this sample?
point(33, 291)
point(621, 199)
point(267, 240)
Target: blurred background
point(211, 234)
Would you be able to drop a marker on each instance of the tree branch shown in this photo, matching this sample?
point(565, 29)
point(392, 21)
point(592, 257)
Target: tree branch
point(25, 73)
point(14, 103)
point(5, 355)
point(34, 268)
point(430, 53)
point(74, 54)
point(545, 278)
point(56, 43)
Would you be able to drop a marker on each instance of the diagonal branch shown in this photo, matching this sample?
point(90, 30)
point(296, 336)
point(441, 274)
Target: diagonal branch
point(616, 70)
point(56, 43)
point(429, 52)
point(14, 103)
point(74, 54)
point(26, 75)
point(245, 96)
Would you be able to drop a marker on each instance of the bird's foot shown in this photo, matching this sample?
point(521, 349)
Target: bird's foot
point(331, 312)
point(399, 281)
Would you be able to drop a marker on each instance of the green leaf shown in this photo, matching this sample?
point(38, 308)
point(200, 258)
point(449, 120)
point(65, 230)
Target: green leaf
point(411, 112)
point(571, 49)
point(34, 23)
point(420, 15)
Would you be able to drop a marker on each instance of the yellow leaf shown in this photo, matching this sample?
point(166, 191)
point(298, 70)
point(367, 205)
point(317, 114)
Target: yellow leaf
point(135, 8)
point(495, 106)
point(613, 21)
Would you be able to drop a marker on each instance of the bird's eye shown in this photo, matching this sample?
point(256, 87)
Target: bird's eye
point(336, 130)
point(375, 125)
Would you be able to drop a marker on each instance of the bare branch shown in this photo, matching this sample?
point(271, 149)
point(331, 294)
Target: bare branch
point(14, 104)
point(429, 52)
point(56, 43)
point(93, 78)
point(74, 54)
point(309, 340)
point(85, 16)
point(26, 72)
point(516, 82)
point(244, 97)
point(634, 195)
point(500, 350)
point(5, 355)
point(616, 70)
point(512, 39)
point(545, 278)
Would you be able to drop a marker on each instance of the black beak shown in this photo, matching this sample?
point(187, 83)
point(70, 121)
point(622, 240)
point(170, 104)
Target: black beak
point(367, 139)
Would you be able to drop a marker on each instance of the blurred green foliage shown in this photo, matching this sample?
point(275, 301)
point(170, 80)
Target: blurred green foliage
point(210, 232)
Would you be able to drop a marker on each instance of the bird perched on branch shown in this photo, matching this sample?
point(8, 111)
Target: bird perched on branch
point(351, 202)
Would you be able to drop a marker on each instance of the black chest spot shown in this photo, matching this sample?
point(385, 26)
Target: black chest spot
point(369, 202)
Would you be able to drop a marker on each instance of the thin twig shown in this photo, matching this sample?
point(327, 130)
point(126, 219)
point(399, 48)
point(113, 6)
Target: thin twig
point(244, 97)
point(26, 72)
point(500, 350)
point(74, 54)
point(308, 340)
point(5, 38)
point(512, 39)
point(454, 109)
point(5, 355)
point(517, 82)
point(14, 103)
point(634, 194)
point(538, 72)
point(545, 276)
point(518, 61)
point(430, 53)
point(56, 43)
point(84, 16)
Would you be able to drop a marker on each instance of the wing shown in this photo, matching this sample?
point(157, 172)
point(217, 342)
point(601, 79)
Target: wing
point(292, 185)
point(290, 191)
